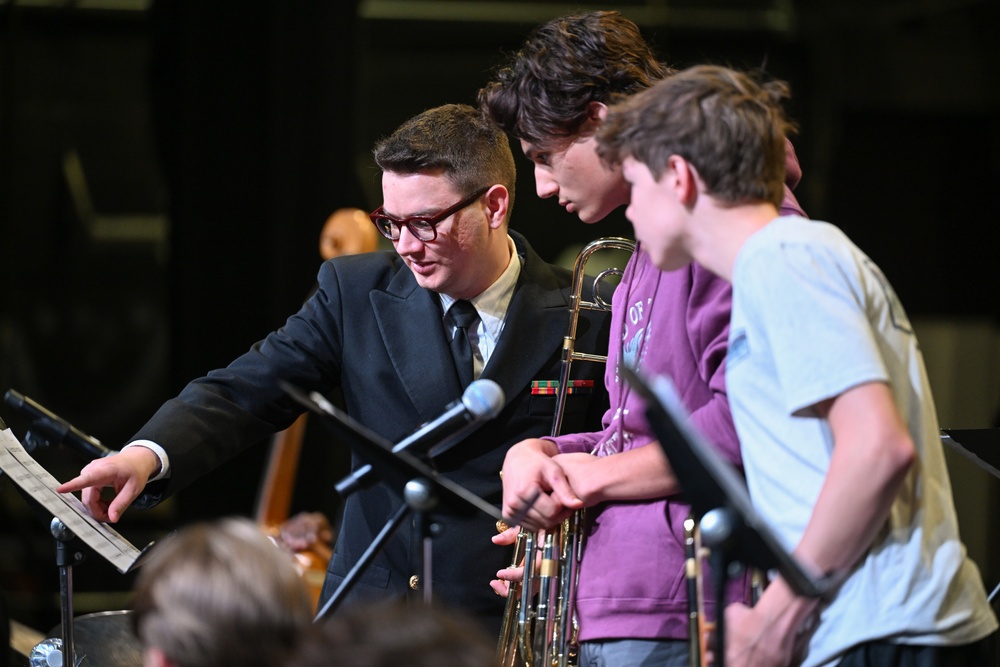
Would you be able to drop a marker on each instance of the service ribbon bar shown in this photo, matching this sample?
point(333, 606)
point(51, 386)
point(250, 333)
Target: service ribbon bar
point(542, 387)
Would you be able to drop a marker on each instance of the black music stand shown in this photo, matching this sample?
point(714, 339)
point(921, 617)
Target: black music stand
point(717, 493)
point(982, 447)
point(71, 526)
point(422, 489)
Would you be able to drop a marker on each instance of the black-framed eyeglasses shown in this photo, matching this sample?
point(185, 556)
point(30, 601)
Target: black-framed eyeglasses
point(424, 227)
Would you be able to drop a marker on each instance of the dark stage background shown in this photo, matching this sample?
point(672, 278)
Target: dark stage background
point(165, 170)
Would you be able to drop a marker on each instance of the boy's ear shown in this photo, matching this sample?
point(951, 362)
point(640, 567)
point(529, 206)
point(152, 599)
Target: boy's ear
point(684, 179)
point(597, 112)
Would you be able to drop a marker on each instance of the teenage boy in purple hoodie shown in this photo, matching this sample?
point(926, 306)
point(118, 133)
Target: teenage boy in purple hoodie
point(632, 604)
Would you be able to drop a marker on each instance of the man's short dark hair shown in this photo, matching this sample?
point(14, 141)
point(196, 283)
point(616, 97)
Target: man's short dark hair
point(456, 140)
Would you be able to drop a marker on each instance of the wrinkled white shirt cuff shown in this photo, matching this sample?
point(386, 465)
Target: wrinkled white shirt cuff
point(160, 454)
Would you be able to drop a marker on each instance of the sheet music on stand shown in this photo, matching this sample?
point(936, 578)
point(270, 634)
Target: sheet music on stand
point(40, 485)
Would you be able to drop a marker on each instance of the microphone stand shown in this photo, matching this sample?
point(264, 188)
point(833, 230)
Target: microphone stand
point(423, 491)
point(68, 554)
point(66, 557)
point(420, 498)
point(37, 487)
point(67, 551)
point(417, 498)
point(347, 584)
point(719, 528)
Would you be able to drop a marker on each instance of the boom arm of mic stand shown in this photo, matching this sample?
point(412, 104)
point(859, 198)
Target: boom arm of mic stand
point(419, 498)
point(49, 428)
point(390, 528)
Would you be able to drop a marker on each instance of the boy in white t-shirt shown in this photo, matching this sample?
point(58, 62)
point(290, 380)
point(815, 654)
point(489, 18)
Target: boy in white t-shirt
point(840, 440)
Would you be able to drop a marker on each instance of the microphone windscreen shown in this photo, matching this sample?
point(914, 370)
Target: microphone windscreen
point(484, 398)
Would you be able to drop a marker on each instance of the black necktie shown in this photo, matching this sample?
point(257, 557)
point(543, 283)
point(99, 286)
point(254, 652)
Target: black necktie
point(463, 315)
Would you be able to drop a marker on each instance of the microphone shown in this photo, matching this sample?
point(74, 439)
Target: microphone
point(55, 430)
point(482, 400)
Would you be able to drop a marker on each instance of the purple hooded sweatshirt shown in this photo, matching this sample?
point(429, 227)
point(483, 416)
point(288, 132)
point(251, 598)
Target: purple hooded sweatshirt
point(632, 576)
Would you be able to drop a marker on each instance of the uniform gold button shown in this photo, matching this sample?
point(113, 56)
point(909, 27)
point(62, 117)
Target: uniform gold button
point(415, 583)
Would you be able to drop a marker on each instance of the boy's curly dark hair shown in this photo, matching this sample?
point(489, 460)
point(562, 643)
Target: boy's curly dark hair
point(544, 92)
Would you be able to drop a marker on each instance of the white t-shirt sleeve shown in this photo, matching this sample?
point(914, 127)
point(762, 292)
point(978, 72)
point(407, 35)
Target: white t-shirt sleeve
point(810, 302)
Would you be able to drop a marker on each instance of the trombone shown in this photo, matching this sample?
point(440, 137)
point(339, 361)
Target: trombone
point(539, 628)
point(699, 628)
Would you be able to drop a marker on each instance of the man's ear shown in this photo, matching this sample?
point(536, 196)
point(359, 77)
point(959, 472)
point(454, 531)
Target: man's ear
point(497, 205)
point(684, 179)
